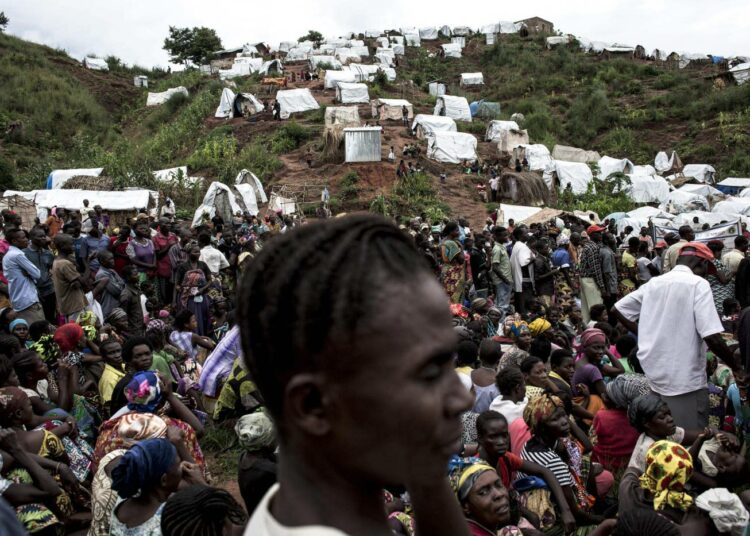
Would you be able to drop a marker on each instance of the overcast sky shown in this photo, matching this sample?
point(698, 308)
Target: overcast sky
point(135, 30)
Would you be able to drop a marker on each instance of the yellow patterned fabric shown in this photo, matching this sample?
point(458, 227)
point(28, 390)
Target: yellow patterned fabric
point(668, 468)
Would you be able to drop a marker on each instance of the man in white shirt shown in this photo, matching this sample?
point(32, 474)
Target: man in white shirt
point(214, 259)
point(675, 315)
point(522, 269)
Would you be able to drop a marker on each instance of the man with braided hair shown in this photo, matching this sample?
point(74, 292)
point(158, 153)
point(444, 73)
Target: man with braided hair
point(201, 510)
point(320, 309)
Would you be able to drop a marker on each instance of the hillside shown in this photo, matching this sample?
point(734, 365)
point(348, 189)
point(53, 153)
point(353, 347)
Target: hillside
point(72, 117)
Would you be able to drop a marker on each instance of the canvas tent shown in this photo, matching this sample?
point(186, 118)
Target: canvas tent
point(452, 147)
point(334, 78)
point(557, 40)
point(472, 79)
point(297, 54)
point(741, 73)
point(459, 40)
point(271, 67)
point(352, 93)
point(575, 174)
point(382, 42)
point(129, 201)
point(451, 50)
point(436, 89)
point(517, 213)
point(95, 64)
point(333, 63)
point(233, 104)
point(58, 177)
point(508, 140)
point(609, 165)
point(155, 99)
point(251, 191)
point(296, 100)
point(536, 155)
point(647, 188)
point(430, 33)
point(342, 116)
point(391, 109)
point(454, 107)
point(573, 154)
point(496, 127)
point(734, 205)
point(219, 200)
point(489, 39)
point(362, 144)
point(425, 125)
point(700, 172)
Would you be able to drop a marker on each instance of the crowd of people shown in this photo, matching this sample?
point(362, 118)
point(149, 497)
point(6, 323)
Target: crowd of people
point(379, 379)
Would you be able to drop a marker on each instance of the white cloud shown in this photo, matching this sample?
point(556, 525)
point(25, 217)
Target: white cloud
point(135, 30)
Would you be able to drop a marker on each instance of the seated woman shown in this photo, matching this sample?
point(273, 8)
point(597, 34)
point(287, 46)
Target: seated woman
point(551, 448)
point(484, 499)
point(144, 478)
point(519, 332)
point(535, 374)
point(257, 466)
point(562, 368)
point(146, 394)
point(588, 382)
point(185, 339)
point(201, 509)
point(20, 329)
point(71, 340)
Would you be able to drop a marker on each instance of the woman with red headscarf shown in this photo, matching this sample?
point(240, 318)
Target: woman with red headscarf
point(71, 340)
point(588, 382)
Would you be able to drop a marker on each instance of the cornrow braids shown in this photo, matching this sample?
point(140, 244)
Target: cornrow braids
point(200, 510)
point(305, 294)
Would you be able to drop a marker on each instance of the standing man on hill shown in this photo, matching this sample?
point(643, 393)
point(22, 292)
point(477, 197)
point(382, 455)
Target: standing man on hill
point(69, 285)
point(22, 276)
point(593, 289)
point(163, 241)
point(405, 114)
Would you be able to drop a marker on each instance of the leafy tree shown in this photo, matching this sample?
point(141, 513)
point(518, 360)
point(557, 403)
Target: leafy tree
point(191, 46)
point(4, 20)
point(314, 36)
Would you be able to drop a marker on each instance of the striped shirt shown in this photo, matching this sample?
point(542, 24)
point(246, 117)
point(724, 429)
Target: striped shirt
point(535, 451)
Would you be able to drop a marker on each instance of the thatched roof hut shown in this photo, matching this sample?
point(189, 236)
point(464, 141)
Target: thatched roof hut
point(98, 184)
point(524, 188)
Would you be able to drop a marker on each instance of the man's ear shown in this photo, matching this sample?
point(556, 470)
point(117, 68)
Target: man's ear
point(305, 404)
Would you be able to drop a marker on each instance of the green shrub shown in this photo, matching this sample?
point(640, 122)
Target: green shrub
point(589, 114)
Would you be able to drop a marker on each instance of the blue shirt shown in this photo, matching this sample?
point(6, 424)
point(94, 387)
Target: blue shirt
point(22, 276)
point(42, 259)
point(89, 244)
point(560, 257)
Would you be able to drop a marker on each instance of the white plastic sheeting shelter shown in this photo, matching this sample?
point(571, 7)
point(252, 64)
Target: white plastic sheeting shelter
point(459, 40)
point(664, 162)
point(461, 30)
point(445, 31)
point(701, 189)
point(677, 202)
point(286, 46)
point(741, 73)
point(429, 33)
point(285, 205)
point(330, 60)
point(342, 116)
point(508, 27)
point(507, 140)
point(734, 205)
point(140, 81)
point(436, 89)
point(489, 39)
point(364, 73)
point(574, 154)
point(537, 155)
point(373, 33)
point(361, 51)
point(334, 78)
point(58, 177)
point(575, 174)
point(130, 200)
point(472, 79)
point(456, 108)
point(517, 213)
point(362, 144)
point(219, 199)
point(452, 147)
point(251, 191)
point(451, 50)
point(609, 165)
point(352, 93)
point(390, 73)
point(391, 109)
point(297, 54)
point(95, 64)
point(700, 172)
point(496, 127)
point(426, 125)
point(269, 67)
point(382, 42)
point(155, 99)
point(232, 104)
point(711, 218)
point(398, 49)
point(346, 56)
point(647, 188)
point(296, 100)
point(744, 193)
point(556, 40)
point(412, 40)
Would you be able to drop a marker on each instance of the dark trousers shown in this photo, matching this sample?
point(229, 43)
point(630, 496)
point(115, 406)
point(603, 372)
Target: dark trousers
point(165, 290)
point(49, 306)
point(524, 299)
point(609, 302)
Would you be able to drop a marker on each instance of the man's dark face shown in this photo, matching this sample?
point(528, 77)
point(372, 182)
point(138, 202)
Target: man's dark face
point(39, 239)
point(20, 240)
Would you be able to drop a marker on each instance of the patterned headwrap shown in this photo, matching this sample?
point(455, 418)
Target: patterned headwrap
point(11, 400)
point(87, 320)
point(539, 326)
point(140, 426)
point(141, 467)
point(143, 392)
point(156, 325)
point(463, 476)
point(116, 314)
point(68, 336)
point(255, 431)
point(539, 410)
point(516, 328)
point(592, 336)
point(458, 310)
point(47, 349)
point(563, 240)
point(668, 468)
point(625, 388)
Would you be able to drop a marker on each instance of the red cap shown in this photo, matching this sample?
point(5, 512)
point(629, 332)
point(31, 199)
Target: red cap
point(697, 249)
point(660, 244)
point(595, 229)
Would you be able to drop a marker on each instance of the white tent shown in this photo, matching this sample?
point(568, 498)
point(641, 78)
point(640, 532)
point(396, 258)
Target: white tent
point(575, 174)
point(140, 81)
point(490, 28)
point(536, 155)
point(617, 48)
point(574, 154)
point(364, 73)
point(385, 59)
point(678, 201)
point(459, 40)
point(343, 116)
point(702, 189)
point(647, 212)
point(269, 67)
point(352, 93)
point(507, 140)
point(95, 64)
point(517, 213)
point(296, 100)
point(744, 193)
point(452, 147)
point(557, 40)
point(284, 204)
point(382, 42)
point(237, 105)
point(390, 73)
point(412, 40)
point(472, 79)
point(508, 27)
point(425, 125)
point(219, 199)
point(451, 50)
point(436, 89)
point(398, 50)
point(345, 56)
point(711, 218)
point(700, 172)
point(327, 48)
point(373, 33)
point(251, 191)
point(733, 205)
point(489, 39)
point(609, 165)
point(391, 109)
point(454, 107)
point(355, 43)
point(297, 54)
point(176, 174)
point(663, 162)
point(155, 99)
point(741, 73)
point(361, 51)
point(131, 200)
point(334, 78)
point(58, 177)
point(397, 40)
point(430, 33)
point(362, 144)
point(647, 188)
point(461, 30)
point(286, 46)
point(445, 31)
point(496, 127)
point(330, 60)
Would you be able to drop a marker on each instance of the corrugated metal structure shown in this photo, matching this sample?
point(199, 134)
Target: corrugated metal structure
point(362, 144)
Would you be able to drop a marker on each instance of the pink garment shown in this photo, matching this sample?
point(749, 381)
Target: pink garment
point(604, 483)
point(519, 435)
